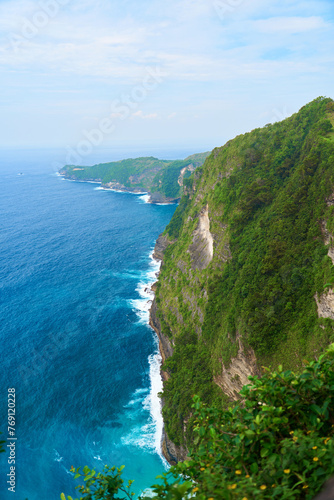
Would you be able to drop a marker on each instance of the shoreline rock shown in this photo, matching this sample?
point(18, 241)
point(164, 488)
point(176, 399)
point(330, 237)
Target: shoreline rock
point(154, 198)
point(170, 451)
point(160, 246)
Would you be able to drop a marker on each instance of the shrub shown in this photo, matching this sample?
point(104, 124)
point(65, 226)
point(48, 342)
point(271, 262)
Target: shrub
point(278, 442)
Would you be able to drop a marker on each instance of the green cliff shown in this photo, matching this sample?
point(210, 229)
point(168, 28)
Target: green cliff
point(247, 276)
point(162, 179)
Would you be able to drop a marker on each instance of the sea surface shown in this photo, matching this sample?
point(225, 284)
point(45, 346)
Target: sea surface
point(75, 272)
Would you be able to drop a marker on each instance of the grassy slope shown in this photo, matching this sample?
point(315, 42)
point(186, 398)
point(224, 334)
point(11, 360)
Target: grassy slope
point(266, 192)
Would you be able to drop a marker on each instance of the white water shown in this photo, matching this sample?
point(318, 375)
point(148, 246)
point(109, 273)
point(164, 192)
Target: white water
point(149, 436)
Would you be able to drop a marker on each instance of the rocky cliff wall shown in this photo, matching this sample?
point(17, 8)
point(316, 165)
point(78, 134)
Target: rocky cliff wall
point(244, 266)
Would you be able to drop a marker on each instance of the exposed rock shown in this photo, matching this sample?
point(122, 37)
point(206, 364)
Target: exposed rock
point(331, 253)
point(173, 306)
point(165, 346)
point(201, 250)
point(327, 492)
point(182, 266)
point(325, 233)
point(233, 378)
point(160, 246)
point(189, 168)
point(325, 304)
point(171, 452)
point(120, 187)
point(158, 197)
point(330, 200)
point(328, 240)
point(192, 300)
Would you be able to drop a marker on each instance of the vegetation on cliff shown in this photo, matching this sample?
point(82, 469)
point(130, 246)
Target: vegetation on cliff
point(163, 178)
point(247, 269)
point(277, 443)
point(248, 280)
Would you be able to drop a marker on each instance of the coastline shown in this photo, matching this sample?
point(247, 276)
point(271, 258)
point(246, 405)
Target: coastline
point(143, 306)
point(153, 198)
point(170, 451)
point(165, 448)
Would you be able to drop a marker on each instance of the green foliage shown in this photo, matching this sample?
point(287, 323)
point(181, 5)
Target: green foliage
point(190, 373)
point(275, 203)
point(174, 227)
point(105, 485)
point(277, 443)
point(166, 181)
point(147, 173)
point(118, 171)
point(266, 193)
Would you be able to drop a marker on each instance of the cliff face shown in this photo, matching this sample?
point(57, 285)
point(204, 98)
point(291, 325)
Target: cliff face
point(245, 264)
point(234, 376)
point(171, 452)
point(165, 346)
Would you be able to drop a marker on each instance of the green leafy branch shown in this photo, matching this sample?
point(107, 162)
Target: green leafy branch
point(103, 485)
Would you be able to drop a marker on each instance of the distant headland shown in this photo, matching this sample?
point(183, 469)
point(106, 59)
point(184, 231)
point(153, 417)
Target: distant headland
point(163, 180)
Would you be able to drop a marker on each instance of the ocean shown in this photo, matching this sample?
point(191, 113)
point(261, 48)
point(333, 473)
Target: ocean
point(76, 268)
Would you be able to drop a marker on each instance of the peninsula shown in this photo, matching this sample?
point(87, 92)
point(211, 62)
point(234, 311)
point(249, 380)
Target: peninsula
point(161, 179)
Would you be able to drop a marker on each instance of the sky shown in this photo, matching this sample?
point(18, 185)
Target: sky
point(81, 74)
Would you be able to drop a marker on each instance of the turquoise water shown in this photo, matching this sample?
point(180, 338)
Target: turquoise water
point(75, 272)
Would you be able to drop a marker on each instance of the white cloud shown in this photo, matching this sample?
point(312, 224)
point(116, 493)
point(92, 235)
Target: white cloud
point(97, 50)
point(141, 114)
point(291, 25)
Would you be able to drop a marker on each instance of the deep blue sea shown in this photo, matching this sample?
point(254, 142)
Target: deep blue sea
point(75, 268)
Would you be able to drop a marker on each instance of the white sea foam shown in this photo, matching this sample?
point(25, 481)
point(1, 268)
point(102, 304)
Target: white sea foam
point(142, 305)
point(123, 191)
point(137, 397)
point(58, 458)
point(148, 436)
point(155, 402)
point(144, 198)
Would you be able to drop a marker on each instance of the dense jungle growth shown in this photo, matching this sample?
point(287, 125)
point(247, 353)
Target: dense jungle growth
point(265, 292)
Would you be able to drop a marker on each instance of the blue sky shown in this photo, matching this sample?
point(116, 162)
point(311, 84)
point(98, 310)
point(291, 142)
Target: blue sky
point(190, 73)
